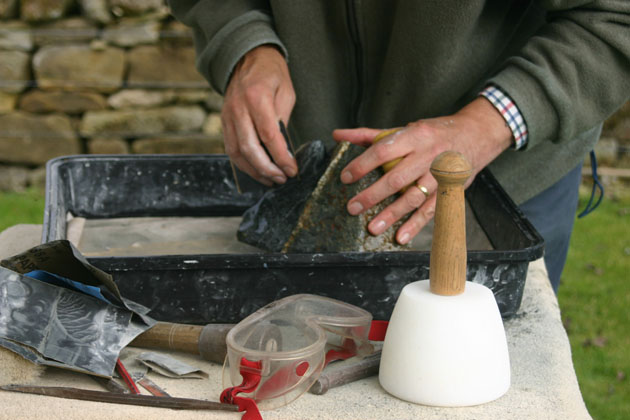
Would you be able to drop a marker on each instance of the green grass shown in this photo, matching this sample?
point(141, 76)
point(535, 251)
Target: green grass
point(24, 207)
point(595, 302)
point(594, 298)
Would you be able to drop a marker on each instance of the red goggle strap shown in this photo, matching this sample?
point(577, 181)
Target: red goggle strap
point(251, 380)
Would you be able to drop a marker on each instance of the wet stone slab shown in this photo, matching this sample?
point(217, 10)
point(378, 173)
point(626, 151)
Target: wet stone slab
point(309, 214)
point(325, 224)
point(269, 223)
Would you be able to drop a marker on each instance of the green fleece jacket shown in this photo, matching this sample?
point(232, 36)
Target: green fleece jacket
point(384, 63)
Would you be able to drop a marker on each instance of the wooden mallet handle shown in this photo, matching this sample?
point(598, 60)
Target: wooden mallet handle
point(207, 341)
point(447, 272)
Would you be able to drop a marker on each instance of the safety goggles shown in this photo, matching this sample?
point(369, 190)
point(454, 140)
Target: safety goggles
point(275, 354)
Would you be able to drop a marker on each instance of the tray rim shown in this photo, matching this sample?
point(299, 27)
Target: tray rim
point(528, 253)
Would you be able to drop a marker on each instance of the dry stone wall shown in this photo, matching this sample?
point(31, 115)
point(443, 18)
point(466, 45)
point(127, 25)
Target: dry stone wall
point(116, 77)
point(97, 76)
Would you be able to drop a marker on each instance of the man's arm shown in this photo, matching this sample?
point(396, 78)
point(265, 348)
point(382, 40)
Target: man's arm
point(574, 72)
point(241, 56)
point(478, 131)
point(568, 77)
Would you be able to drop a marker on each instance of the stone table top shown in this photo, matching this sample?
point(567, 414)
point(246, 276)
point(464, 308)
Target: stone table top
point(544, 385)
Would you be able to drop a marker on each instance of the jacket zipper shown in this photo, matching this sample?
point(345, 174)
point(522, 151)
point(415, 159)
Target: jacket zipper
point(358, 60)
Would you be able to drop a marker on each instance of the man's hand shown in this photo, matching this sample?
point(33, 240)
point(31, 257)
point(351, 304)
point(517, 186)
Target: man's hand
point(260, 94)
point(477, 131)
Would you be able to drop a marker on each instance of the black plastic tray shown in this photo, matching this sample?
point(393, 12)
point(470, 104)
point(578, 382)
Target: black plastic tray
point(227, 287)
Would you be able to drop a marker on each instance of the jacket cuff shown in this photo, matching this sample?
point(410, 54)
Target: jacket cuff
point(218, 59)
point(533, 103)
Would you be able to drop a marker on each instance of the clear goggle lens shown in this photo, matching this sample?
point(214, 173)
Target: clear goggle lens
point(284, 346)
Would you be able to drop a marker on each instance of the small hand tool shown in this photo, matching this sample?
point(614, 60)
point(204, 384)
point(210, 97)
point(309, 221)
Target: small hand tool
point(347, 371)
point(152, 387)
point(235, 176)
point(122, 371)
point(129, 399)
point(206, 341)
point(285, 134)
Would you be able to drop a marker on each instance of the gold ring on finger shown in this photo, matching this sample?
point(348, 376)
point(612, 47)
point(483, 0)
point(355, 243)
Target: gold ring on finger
point(423, 189)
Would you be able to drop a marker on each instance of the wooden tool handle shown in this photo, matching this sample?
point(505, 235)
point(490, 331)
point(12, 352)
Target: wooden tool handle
point(447, 272)
point(207, 341)
point(165, 335)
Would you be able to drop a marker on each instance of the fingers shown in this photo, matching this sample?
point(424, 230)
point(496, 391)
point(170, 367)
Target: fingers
point(359, 136)
point(417, 221)
point(231, 148)
point(412, 199)
point(268, 130)
point(246, 146)
point(386, 152)
point(410, 172)
point(404, 174)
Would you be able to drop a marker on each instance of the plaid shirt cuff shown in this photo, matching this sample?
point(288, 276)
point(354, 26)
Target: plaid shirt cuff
point(510, 113)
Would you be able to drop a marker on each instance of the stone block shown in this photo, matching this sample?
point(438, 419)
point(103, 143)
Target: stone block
point(131, 32)
point(34, 139)
point(79, 67)
point(7, 102)
point(326, 226)
point(268, 223)
point(96, 10)
point(308, 214)
point(176, 33)
point(142, 122)
point(15, 71)
point(13, 178)
point(15, 36)
point(163, 67)
point(75, 122)
point(135, 7)
point(191, 96)
point(8, 8)
point(214, 102)
point(145, 98)
point(179, 145)
point(107, 146)
point(140, 98)
point(42, 10)
point(74, 30)
point(212, 126)
point(68, 102)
